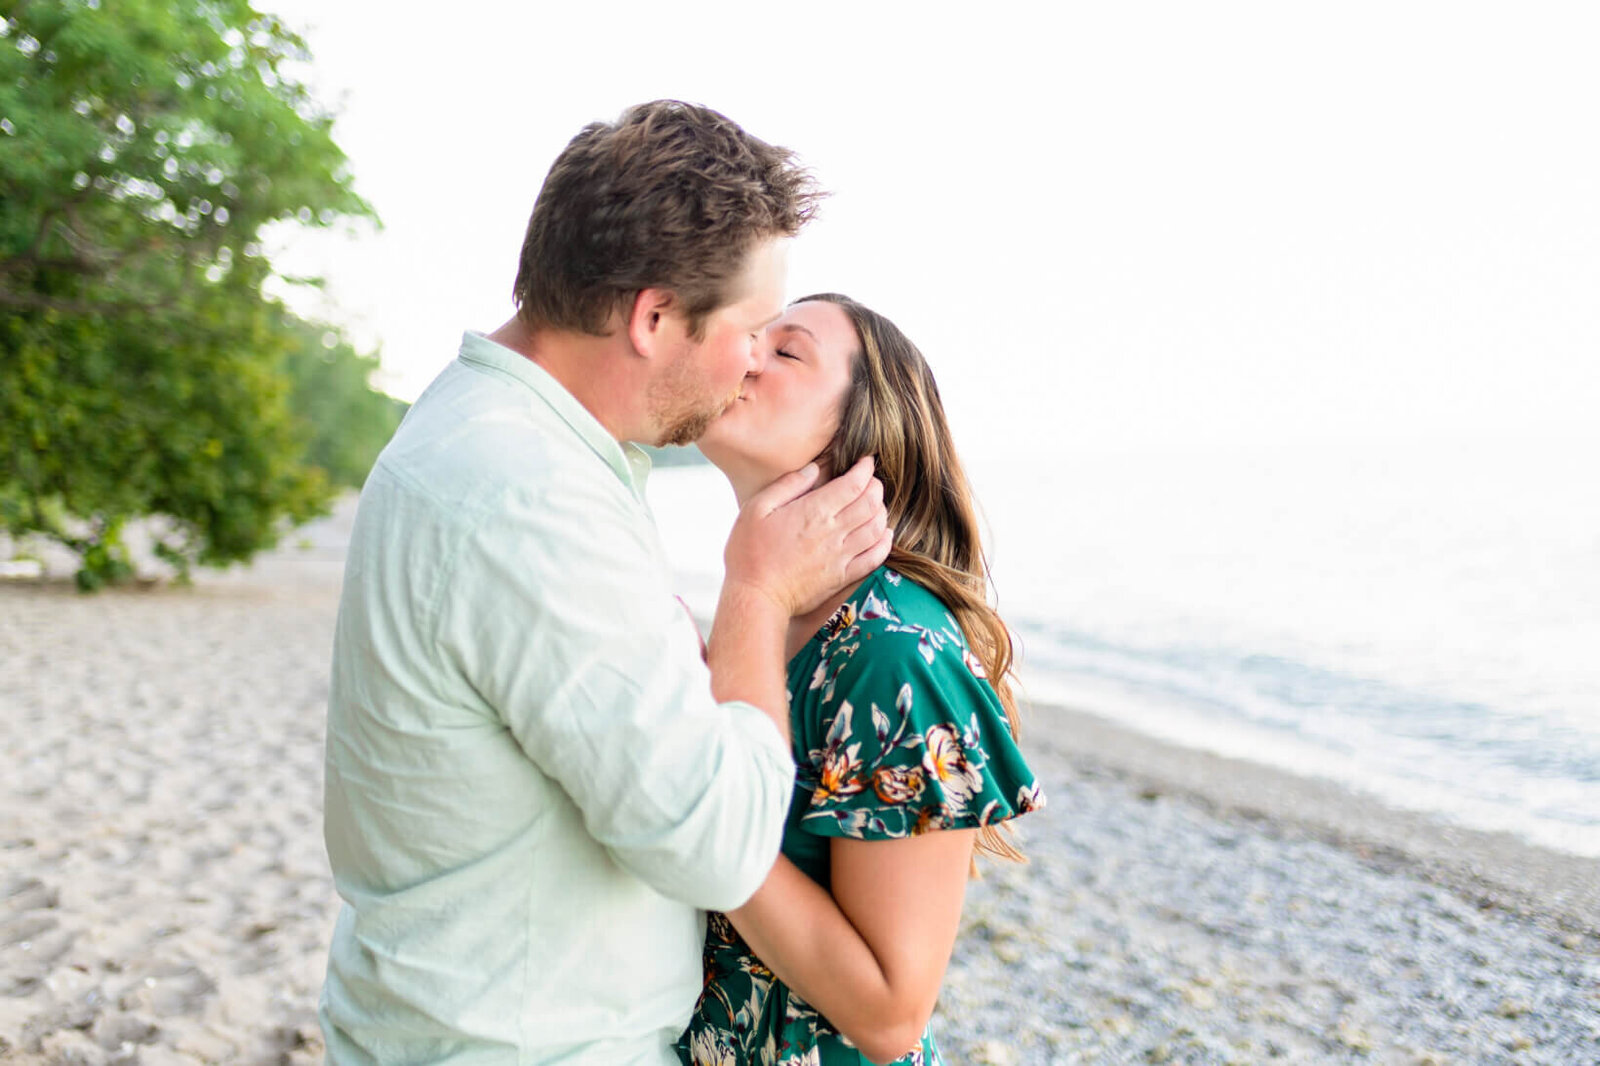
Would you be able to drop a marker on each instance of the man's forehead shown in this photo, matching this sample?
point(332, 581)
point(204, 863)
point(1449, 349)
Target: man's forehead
point(755, 295)
point(766, 278)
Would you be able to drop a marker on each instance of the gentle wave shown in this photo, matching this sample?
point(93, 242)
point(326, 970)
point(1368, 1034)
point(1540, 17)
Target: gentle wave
point(1483, 765)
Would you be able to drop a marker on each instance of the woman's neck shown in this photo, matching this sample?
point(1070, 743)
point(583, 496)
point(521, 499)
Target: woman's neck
point(803, 627)
point(746, 483)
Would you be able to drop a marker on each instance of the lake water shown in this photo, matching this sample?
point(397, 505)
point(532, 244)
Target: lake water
point(1418, 621)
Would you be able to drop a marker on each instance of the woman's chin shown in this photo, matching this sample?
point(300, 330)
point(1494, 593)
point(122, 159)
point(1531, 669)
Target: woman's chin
point(723, 448)
point(747, 474)
point(715, 451)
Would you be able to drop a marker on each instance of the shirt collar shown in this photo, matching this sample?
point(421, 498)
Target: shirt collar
point(627, 460)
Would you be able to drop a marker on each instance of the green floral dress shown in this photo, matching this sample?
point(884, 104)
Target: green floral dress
point(896, 731)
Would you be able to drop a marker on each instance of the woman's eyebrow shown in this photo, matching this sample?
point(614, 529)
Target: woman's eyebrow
point(796, 327)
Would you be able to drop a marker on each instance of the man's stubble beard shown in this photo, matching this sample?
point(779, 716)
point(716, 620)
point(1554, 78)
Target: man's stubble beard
point(687, 430)
point(681, 409)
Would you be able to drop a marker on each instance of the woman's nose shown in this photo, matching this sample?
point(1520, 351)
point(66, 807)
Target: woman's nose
point(760, 352)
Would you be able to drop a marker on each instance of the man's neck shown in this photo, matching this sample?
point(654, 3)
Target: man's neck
point(597, 371)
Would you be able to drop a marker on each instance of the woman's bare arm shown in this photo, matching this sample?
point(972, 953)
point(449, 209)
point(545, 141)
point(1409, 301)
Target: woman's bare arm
point(871, 955)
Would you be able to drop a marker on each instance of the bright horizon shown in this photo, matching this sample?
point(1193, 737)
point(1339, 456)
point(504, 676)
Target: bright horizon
point(1142, 228)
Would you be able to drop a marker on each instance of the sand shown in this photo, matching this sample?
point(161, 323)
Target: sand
point(164, 897)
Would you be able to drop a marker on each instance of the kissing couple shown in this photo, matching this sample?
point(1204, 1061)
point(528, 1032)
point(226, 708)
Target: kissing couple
point(564, 830)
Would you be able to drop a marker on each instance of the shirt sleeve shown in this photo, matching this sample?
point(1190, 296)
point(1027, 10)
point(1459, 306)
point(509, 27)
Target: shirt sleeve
point(914, 739)
point(562, 618)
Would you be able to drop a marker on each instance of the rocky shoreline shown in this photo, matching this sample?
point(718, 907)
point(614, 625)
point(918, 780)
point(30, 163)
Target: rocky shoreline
point(1167, 916)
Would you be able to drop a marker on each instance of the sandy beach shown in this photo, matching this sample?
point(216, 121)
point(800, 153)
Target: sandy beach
point(164, 897)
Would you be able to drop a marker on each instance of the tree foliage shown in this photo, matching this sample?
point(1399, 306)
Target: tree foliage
point(348, 422)
point(143, 370)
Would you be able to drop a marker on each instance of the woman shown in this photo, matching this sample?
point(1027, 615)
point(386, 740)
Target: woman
point(902, 720)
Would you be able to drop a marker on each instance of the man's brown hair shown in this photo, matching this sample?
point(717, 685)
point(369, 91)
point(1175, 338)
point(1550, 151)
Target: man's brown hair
point(671, 195)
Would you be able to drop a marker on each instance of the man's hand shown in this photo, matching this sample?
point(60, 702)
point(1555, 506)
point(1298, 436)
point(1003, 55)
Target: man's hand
point(797, 545)
point(791, 548)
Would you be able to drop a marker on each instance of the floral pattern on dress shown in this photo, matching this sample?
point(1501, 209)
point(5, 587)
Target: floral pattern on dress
point(876, 775)
point(896, 732)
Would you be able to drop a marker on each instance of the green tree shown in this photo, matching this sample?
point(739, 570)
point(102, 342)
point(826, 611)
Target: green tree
point(348, 422)
point(143, 370)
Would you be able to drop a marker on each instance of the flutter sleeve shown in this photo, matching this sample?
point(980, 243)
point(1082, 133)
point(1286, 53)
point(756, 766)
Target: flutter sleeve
point(910, 737)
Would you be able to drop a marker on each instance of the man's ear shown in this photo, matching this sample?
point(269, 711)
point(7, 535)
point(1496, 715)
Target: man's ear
point(653, 321)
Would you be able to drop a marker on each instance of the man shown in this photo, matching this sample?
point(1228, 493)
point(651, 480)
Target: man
point(532, 788)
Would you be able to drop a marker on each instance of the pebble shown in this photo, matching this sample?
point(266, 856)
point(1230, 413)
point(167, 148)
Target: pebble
point(1179, 937)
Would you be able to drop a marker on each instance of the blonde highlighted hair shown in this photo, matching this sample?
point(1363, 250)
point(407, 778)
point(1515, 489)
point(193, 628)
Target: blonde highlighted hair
point(892, 411)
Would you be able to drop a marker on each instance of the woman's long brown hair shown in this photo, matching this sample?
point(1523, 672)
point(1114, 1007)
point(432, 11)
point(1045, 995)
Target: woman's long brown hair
point(892, 411)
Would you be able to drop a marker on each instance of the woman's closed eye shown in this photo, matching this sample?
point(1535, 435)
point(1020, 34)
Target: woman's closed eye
point(786, 355)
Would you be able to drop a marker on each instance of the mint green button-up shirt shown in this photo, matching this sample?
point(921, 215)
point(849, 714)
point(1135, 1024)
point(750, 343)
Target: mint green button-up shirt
point(531, 795)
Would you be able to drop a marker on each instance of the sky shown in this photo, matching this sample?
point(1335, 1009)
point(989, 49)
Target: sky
point(1141, 226)
point(1235, 307)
